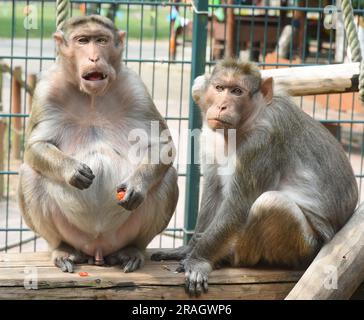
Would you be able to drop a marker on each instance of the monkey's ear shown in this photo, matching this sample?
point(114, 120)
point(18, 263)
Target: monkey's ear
point(199, 86)
point(58, 37)
point(122, 36)
point(266, 89)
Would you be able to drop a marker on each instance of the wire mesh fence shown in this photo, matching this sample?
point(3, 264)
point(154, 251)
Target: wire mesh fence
point(166, 43)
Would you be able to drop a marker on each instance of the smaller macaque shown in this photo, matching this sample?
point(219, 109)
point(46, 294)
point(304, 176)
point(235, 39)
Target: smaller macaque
point(290, 188)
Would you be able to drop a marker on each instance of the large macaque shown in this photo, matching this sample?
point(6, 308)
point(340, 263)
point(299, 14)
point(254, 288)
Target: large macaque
point(78, 154)
point(290, 187)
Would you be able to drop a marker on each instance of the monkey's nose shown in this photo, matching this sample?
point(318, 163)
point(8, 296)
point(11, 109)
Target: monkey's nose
point(222, 108)
point(95, 59)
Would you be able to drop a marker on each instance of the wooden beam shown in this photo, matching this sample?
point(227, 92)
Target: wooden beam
point(1, 90)
point(310, 80)
point(338, 269)
point(2, 155)
point(6, 68)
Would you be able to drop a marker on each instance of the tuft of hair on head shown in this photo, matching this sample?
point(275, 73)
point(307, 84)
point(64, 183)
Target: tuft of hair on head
point(239, 67)
point(74, 22)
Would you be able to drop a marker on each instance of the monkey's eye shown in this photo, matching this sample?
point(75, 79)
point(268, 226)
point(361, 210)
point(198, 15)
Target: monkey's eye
point(102, 41)
point(83, 40)
point(237, 91)
point(219, 88)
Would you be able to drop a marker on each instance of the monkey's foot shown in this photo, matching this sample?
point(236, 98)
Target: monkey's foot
point(65, 258)
point(129, 258)
point(171, 254)
point(196, 275)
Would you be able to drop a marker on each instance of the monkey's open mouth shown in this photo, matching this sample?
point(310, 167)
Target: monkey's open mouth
point(94, 76)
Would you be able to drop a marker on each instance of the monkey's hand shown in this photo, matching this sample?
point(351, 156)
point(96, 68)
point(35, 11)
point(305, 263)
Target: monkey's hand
point(133, 197)
point(196, 275)
point(80, 176)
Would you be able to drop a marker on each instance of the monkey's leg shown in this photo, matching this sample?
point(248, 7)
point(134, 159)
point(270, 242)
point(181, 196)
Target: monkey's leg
point(36, 205)
point(276, 232)
point(65, 257)
point(37, 208)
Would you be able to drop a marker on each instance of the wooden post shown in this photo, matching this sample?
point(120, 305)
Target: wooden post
point(31, 81)
point(16, 108)
point(2, 154)
point(299, 33)
point(1, 89)
point(2, 136)
point(338, 269)
point(230, 31)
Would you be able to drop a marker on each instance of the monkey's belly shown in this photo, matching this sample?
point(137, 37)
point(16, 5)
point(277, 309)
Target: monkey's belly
point(102, 244)
point(91, 220)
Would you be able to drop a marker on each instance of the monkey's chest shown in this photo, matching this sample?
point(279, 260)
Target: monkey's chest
point(98, 137)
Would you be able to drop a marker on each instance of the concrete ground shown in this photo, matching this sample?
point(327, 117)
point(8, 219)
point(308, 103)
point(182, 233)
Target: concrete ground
point(169, 85)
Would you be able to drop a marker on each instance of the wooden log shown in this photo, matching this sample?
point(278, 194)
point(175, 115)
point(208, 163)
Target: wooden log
point(310, 80)
point(16, 108)
point(2, 154)
point(338, 269)
point(31, 81)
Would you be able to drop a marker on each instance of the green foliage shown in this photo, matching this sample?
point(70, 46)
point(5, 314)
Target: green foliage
point(358, 4)
point(154, 25)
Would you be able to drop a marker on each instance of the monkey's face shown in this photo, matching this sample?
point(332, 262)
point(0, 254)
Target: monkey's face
point(232, 95)
point(93, 56)
point(226, 103)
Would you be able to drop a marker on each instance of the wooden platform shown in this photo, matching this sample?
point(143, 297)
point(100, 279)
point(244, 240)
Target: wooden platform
point(156, 280)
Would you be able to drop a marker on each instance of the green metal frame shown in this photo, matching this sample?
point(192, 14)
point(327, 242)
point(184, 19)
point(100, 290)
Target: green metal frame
point(199, 41)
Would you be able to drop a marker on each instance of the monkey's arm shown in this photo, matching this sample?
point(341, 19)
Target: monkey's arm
point(214, 243)
point(213, 240)
point(42, 154)
point(210, 203)
point(47, 159)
